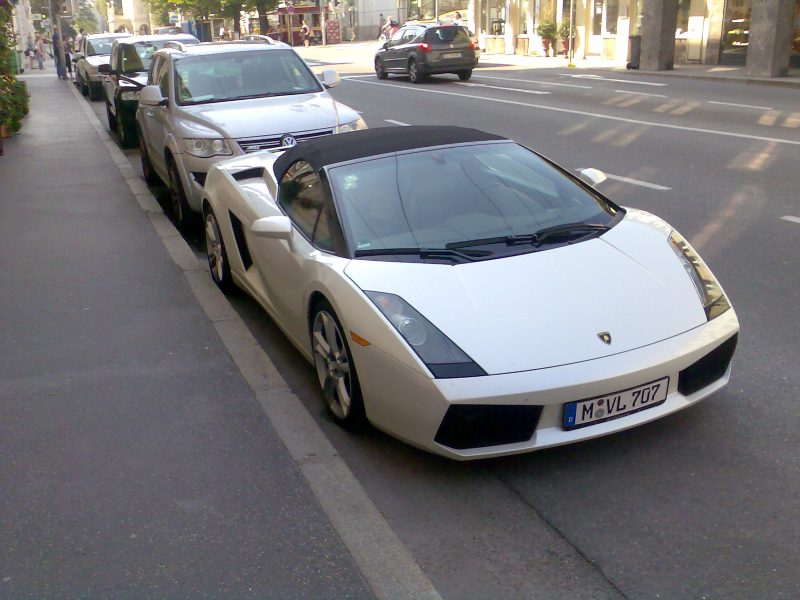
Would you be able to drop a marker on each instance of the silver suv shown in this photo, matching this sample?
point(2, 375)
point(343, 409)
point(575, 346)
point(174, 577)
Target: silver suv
point(208, 102)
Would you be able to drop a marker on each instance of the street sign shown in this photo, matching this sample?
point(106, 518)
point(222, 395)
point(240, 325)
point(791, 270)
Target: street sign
point(35, 17)
point(173, 18)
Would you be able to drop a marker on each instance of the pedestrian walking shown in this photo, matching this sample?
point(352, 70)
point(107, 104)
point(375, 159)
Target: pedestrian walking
point(58, 53)
point(30, 51)
point(67, 48)
point(39, 51)
point(78, 39)
point(305, 31)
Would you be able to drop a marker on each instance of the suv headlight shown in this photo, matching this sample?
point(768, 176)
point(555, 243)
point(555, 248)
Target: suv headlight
point(206, 147)
point(444, 359)
point(356, 125)
point(714, 301)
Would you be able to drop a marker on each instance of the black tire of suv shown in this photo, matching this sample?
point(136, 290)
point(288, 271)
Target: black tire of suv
point(82, 86)
point(112, 120)
point(379, 70)
point(180, 207)
point(126, 129)
point(95, 91)
point(464, 75)
point(414, 75)
point(150, 176)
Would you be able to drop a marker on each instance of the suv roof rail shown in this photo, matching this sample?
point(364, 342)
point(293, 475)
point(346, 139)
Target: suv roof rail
point(174, 44)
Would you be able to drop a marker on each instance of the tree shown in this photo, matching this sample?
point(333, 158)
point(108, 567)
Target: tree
point(86, 18)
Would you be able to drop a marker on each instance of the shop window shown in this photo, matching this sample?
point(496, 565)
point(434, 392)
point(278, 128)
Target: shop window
point(524, 13)
point(611, 16)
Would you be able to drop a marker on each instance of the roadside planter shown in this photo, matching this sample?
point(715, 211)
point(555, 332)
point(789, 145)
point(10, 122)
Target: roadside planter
point(547, 31)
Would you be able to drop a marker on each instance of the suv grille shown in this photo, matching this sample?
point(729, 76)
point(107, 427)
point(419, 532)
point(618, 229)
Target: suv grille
point(274, 141)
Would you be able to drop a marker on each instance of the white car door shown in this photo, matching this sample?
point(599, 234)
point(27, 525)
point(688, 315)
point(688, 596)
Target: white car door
point(155, 119)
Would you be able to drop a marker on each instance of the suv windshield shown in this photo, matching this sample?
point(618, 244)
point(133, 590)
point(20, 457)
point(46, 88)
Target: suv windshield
point(137, 57)
point(99, 46)
point(241, 75)
point(495, 199)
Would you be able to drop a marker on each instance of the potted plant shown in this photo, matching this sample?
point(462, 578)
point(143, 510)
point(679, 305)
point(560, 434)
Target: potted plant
point(563, 33)
point(547, 31)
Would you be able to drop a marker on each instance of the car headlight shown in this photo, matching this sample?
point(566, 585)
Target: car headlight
point(129, 96)
point(714, 301)
point(206, 147)
point(356, 125)
point(444, 359)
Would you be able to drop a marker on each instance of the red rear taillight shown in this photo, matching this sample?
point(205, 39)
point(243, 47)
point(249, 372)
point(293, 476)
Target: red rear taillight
point(471, 45)
point(424, 46)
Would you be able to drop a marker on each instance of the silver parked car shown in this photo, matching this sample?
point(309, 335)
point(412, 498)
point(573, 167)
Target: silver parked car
point(95, 50)
point(208, 102)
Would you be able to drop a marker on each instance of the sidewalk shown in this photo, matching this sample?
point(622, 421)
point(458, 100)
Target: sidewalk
point(362, 54)
point(136, 460)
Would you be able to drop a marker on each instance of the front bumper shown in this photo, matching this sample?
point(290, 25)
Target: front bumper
point(414, 406)
point(192, 171)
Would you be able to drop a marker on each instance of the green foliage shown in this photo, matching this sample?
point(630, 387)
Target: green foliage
point(14, 102)
point(563, 29)
point(86, 18)
point(547, 30)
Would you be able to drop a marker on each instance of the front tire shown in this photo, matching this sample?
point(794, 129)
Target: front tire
point(84, 88)
point(216, 253)
point(414, 74)
point(149, 174)
point(336, 372)
point(112, 120)
point(126, 129)
point(95, 91)
point(465, 75)
point(180, 207)
point(379, 70)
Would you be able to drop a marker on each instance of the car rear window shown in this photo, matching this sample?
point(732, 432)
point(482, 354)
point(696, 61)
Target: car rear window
point(438, 35)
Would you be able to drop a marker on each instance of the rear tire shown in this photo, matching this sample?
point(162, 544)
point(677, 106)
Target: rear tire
point(379, 70)
point(336, 372)
point(464, 75)
point(414, 74)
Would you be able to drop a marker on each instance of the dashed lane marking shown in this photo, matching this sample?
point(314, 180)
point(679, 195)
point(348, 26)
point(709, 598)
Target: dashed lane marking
point(598, 78)
point(397, 123)
point(505, 89)
point(569, 85)
point(647, 184)
point(641, 93)
point(739, 105)
point(791, 219)
point(584, 113)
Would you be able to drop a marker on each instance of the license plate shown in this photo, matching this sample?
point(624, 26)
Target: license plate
point(450, 55)
point(617, 404)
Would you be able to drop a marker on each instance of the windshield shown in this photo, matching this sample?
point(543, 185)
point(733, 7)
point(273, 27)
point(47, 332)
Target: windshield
point(240, 75)
point(493, 197)
point(137, 57)
point(99, 46)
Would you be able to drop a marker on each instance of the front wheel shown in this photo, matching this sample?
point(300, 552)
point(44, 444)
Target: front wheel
point(112, 120)
point(126, 129)
point(95, 91)
point(379, 70)
point(216, 253)
point(414, 74)
point(180, 207)
point(336, 372)
point(150, 176)
point(464, 75)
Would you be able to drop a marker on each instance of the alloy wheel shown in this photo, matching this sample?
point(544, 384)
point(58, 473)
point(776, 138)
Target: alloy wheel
point(214, 249)
point(332, 363)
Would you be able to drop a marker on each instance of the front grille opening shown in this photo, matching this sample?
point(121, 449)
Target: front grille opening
point(200, 178)
point(480, 425)
point(708, 369)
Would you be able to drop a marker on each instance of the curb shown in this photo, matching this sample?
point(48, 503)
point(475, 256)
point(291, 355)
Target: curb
point(383, 561)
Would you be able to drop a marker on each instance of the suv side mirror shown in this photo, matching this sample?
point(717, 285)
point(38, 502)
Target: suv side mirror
point(151, 96)
point(330, 78)
point(104, 69)
point(78, 55)
point(593, 177)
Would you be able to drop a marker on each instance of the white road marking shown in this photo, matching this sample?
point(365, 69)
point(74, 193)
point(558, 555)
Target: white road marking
point(641, 93)
point(397, 122)
point(355, 76)
point(507, 89)
point(597, 77)
point(647, 184)
point(740, 105)
point(570, 85)
point(588, 114)
point(791, 219)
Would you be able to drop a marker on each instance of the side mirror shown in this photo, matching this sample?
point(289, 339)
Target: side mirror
point(330, 78)
point(151, 96)
point(272, 228)
point(593, 177)
point(78, 55)
point(104, 69)
point(385, 45)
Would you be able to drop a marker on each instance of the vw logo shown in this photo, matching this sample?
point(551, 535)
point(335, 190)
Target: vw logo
point(605, 337)
point(288, 141)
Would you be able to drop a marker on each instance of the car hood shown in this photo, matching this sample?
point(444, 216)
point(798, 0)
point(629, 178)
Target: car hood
point(98, 59)
point(261, 117)
point(140, 78)
point(548, 308)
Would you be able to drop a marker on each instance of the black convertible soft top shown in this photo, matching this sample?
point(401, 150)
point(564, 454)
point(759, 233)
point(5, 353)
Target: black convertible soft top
point(333, 149)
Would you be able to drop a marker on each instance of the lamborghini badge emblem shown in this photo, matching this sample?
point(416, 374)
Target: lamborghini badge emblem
point(605, 337)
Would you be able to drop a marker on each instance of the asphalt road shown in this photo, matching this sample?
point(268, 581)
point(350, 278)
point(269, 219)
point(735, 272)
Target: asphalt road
point(702, 504)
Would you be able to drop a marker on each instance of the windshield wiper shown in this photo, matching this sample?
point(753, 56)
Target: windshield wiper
point(534, 239)
point(440, 253)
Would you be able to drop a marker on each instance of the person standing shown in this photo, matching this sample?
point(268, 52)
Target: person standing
point(67, 50)
point(58, 53)
point(30, 51)
point(305, 31)
point(39, 51)
point(79, 39)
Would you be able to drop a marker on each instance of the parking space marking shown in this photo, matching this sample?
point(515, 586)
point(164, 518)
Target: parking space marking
point(584, 113)
point(791, 219)
point(569, 85)
point(641, 93)
point(598, 78)
point(505, 89)
point(739, 105)
point(397, 123)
